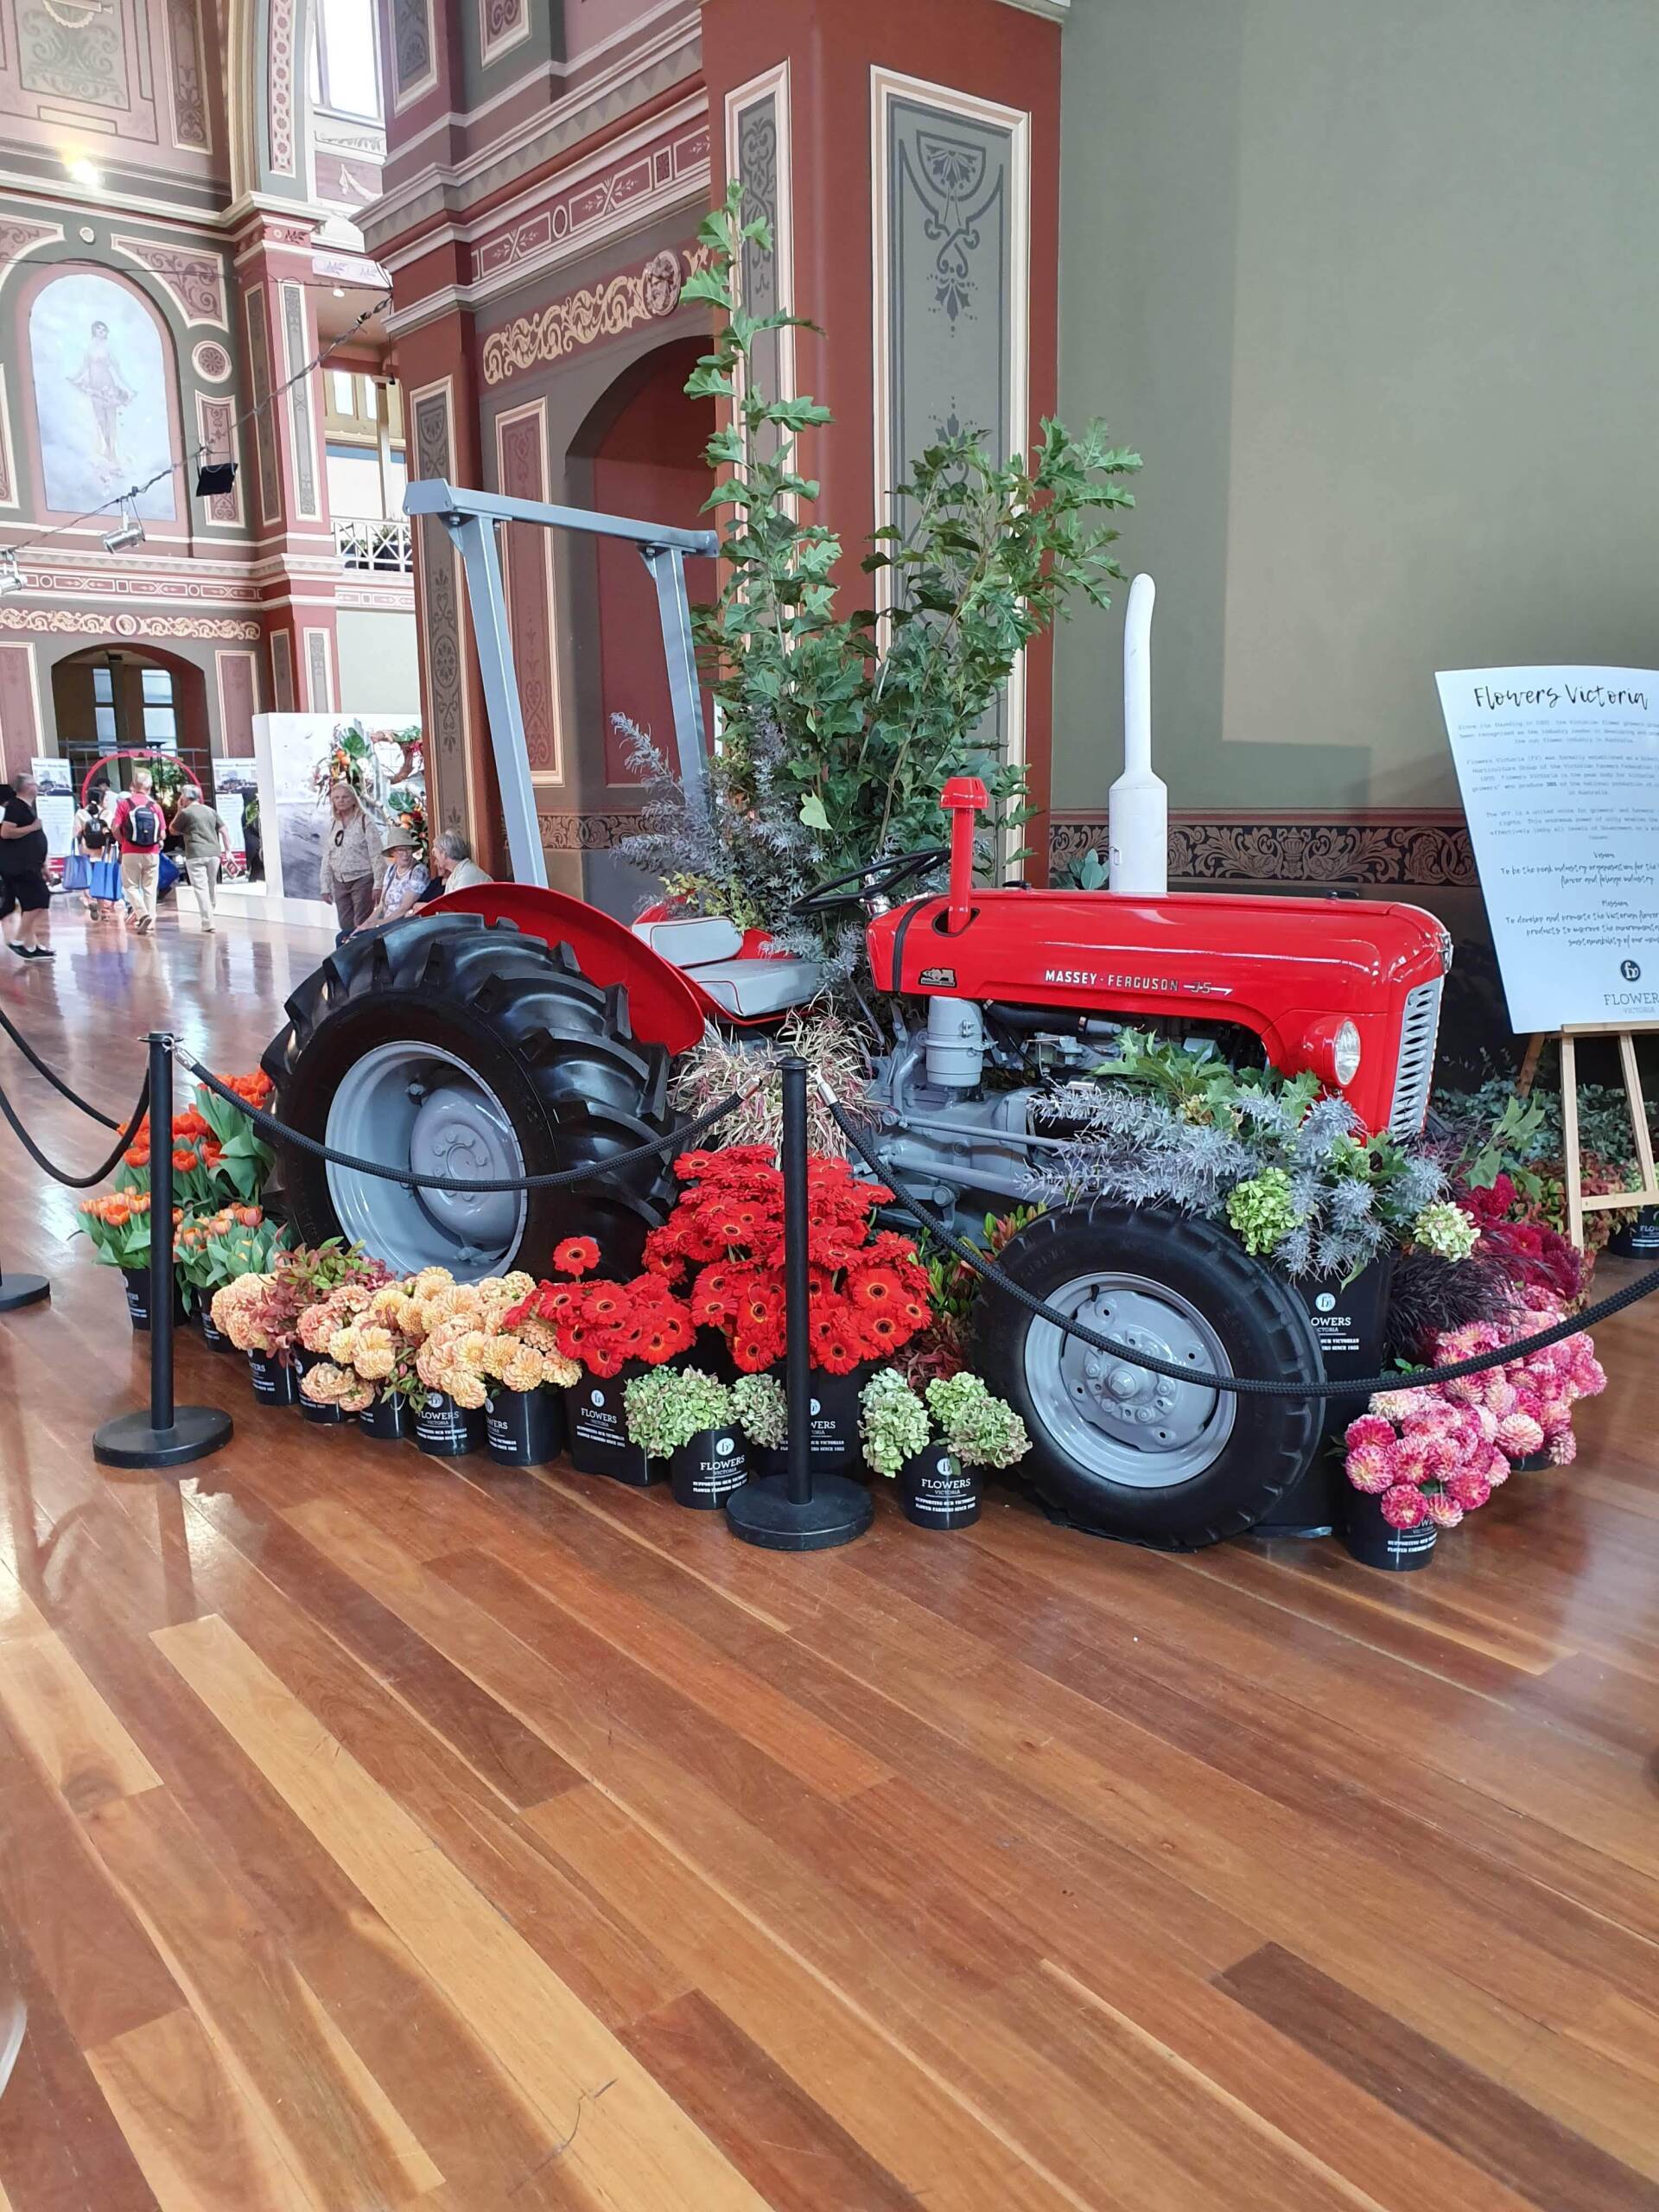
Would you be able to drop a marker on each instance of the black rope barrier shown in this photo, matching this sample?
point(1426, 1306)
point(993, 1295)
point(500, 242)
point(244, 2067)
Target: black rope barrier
point(57, 1175)
point(56, 1080)
point(562, 1179)
point(1243, 1386)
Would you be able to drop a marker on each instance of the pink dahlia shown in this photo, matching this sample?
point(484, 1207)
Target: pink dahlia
point(1519, 1435)
point(1370, 1428)
point(1370, 1468)
point(1468, 1489)
point(1403, 1506)
point(1444, 1511)
point(1563, 1448)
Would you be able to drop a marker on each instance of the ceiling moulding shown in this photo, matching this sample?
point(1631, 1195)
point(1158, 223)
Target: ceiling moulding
point(1057, 10)
point(435, 191)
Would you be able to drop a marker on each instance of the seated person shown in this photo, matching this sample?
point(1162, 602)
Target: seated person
point(404, 883)
point(452, 866)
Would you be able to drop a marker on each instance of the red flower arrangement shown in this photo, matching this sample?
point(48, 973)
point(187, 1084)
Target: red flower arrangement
point(723, 1247)
point(1538, 1256)
point(604, 1325)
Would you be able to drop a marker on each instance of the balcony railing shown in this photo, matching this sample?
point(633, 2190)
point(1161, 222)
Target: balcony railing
point(382, 548)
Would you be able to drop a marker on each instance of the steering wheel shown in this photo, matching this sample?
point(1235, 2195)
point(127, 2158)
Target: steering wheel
point(874, 880)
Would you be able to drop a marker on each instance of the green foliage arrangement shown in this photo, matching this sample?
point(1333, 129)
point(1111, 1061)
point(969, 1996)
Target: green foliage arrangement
point(895, 1423)
point(980, 1429)
point(892, 1421)
point(761, 1409)
point(1289, 1168)
point(837, 731)
point(668, 1406)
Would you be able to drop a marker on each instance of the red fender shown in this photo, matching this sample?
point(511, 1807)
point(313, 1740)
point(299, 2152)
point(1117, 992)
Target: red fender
point(662, 1005)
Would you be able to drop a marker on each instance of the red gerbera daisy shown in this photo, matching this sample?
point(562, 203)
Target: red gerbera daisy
point(575, 1256)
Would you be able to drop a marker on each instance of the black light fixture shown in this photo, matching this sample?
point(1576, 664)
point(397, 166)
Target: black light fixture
point(215, 478)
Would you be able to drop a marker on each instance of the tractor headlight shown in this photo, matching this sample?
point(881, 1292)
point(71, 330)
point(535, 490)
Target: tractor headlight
point(1345, 1053)
point(1332, 1049)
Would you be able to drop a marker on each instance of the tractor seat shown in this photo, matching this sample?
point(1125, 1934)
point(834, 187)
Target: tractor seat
point(751, 989)
point(691, 941)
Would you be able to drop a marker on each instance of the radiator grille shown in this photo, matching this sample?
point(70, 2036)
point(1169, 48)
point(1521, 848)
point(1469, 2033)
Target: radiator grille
point(1415, 1071)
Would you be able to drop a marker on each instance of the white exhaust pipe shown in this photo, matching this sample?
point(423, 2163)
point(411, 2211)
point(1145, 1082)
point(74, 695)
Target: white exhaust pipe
point(1137, 836)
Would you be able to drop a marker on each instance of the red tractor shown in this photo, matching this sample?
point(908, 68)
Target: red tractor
point(516, 1030)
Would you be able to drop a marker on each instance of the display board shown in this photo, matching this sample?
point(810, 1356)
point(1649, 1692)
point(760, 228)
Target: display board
point(292, 753)
point(55, 803)
point(1559, 769)
point(236, 783)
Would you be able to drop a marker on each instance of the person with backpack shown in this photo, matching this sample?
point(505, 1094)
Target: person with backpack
point(140, 828)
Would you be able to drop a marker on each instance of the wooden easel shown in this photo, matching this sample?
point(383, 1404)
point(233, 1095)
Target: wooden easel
point(1607, 1201)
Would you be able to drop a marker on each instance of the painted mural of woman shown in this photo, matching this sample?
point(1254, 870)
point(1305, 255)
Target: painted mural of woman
point(107, 392)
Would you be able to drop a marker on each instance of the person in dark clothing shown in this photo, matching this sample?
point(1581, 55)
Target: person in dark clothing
point(24, 890)
point(253, 842)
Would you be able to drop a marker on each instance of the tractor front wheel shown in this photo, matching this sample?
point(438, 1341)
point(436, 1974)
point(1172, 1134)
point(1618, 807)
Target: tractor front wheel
point(456, 1047)
point(1114, 1447)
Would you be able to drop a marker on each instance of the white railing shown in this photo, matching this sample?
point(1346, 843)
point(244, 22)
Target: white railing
point(383, 547)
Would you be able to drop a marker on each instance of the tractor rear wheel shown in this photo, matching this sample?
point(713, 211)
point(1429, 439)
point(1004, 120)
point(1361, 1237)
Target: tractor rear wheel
point(455, 1046)
point(1116, 1448)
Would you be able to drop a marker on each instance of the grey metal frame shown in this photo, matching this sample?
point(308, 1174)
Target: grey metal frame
point(470, 518)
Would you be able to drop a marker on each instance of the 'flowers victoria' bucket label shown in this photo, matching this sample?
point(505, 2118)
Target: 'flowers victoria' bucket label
point(937, 1491)
point(705, 1472)
point(444, 1430)
point(599, 1430)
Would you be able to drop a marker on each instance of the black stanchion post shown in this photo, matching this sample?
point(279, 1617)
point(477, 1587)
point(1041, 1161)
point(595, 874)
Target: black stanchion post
point(798, 1511)
point(167, 1435)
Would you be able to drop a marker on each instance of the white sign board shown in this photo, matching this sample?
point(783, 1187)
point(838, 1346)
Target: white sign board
point(1559, 769)
point(56, 804)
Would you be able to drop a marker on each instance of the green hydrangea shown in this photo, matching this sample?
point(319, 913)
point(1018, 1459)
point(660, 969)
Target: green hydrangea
point(892, 1421)
point(1262, 1210)
point(1446, 1231)
point(668, 1406)
point(983, 1431)
point(759, 1404)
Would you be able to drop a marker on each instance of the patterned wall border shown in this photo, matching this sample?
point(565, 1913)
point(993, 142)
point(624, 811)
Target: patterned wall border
point(10, 493)
point(281, 671)
point(759, 154)
point(438, 590)
point(241, 668)
point(86, 622)
point(264, 429)
point(633, 186)
point(1428, 851)
point(887, 87)
point(413, 59)
point(296, 350)
point(216, 424)
point(567, 832)
point(531, 588)
point(282, 40)
point(318, 673)
point(194, 282)
point(582, 318)
point(19, 238)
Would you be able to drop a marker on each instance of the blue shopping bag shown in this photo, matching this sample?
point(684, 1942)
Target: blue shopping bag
point(77, 872)
point(103, 878)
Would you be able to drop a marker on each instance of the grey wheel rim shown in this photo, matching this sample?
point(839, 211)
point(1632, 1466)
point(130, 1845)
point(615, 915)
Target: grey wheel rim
point(1122, 1422)
point(415, 1105)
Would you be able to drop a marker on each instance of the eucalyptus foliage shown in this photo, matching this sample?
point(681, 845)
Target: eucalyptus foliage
point(838, 730)
point(1291, 1169)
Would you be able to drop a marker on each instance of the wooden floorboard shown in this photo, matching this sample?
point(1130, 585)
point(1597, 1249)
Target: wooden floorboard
point(376, 1833)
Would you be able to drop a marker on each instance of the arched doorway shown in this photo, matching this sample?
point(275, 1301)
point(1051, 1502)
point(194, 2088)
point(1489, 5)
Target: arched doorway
point(643, 444)
point(126, 698)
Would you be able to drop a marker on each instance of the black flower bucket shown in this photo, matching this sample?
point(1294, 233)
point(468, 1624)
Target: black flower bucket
point(1373, 1543)
point(524, 1428)
point(275, 1382)
point(136, 1282)
point(937, 1491)
point(444, 1430)
point(597, 1422)
point(705, 1472)
point(835, 1445)
point(387, 1420)
point(319, 1416)
point(215, 1339)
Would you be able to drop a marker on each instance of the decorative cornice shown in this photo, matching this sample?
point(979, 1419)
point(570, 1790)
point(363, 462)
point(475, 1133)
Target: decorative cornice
point(86, 622)
point(642, 295)
point(1056, 11)
point(437, 189)
point(1370, 847)
point(567, 832)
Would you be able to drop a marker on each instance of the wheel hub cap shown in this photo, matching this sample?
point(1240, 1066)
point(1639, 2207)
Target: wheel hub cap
point(459, 1131)
point(1124, 1421)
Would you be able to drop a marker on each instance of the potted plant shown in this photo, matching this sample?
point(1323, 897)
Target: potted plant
point(260, 1312)
point(331, 1394)
point(937, 1473)
point(687, 1417)
point(721, 1248)
point(118, 1226)
point(523, 1411)
point(214, 1250)
point(762, 1413)
point(613, 1332)
point(377, 1350)
point(453, 1326)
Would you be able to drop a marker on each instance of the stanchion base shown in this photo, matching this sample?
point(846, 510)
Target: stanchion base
point(763, 1513)
point(130, 1441)
point(23, 1290)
